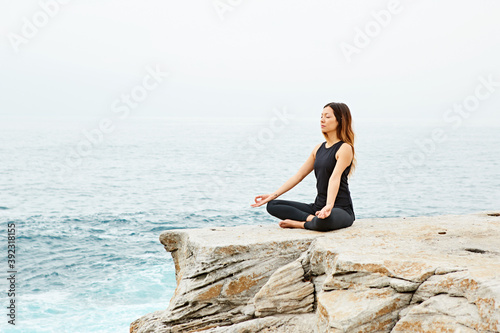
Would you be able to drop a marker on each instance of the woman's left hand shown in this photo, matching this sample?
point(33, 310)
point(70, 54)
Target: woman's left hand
point(325, 212)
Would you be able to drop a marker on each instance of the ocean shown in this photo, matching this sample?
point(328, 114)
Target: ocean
point(87, 203)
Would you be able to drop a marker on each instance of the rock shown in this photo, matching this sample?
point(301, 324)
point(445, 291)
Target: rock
point(272, 324)
point(470, 289)
point(359, 310)
point(219, 272)
point(285, 292)
point(419, 274)
point(443, 311)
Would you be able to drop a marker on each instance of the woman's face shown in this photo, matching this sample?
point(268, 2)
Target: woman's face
point(328, 121)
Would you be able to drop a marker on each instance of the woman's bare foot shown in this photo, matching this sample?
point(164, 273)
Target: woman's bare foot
point(309, 218)
point(291, 224)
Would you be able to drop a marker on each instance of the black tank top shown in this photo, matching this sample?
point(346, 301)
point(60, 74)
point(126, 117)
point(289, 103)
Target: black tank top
point(323, 168)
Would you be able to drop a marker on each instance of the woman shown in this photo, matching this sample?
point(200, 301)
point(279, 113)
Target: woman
point(332, 161)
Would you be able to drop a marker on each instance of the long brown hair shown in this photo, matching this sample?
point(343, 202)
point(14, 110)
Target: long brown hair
point(344, 129)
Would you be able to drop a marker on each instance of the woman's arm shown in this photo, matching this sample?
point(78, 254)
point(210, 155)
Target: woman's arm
point(344, 158)
point(304, 170)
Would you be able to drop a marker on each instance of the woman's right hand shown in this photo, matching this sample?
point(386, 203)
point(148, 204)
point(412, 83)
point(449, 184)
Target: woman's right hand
point(262, 199)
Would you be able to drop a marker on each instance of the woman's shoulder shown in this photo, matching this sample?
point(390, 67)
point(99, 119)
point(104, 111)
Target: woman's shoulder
point(346, 145)
point(345, 148)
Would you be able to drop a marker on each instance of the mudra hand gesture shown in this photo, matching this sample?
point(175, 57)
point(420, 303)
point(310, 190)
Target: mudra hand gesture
point(263, 199)
point(325, 212)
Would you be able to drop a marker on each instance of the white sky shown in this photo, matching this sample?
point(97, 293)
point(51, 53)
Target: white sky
point(263, 55)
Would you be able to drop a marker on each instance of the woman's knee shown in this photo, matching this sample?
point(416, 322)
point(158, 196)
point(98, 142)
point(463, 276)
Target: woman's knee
point(270, 206)
point(343, 218)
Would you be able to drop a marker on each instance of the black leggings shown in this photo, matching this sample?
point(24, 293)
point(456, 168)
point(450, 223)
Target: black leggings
point(293, 210)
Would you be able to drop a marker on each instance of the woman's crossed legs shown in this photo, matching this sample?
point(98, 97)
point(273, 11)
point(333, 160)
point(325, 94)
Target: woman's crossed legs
point(296, 214)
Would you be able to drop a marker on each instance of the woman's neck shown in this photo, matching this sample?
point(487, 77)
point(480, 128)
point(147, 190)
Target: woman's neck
point(332, 139)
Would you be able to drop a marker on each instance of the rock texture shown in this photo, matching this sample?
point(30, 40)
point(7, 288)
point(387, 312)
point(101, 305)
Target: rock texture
point(420, 274)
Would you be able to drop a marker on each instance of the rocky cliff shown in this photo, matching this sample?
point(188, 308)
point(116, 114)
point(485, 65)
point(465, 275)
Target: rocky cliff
point(419, 274)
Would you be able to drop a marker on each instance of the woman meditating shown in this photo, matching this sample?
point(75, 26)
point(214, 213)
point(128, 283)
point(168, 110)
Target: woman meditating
point(332, 161)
